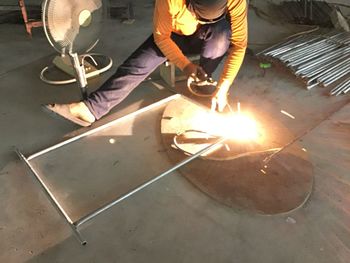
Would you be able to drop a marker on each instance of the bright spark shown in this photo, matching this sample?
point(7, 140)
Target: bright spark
point(288, 114)
point(238, 126)
point(242, 127)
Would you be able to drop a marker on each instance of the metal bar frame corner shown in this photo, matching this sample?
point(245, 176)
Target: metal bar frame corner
point(75, 225)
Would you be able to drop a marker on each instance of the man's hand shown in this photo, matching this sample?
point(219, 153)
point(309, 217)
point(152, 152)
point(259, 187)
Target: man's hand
point(219, 99)
point(194, 71)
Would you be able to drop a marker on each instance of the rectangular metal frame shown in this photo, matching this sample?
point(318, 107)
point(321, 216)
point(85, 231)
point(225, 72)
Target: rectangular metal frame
point(74, 225)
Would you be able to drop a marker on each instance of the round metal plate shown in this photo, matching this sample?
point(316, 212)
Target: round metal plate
point(238, 177)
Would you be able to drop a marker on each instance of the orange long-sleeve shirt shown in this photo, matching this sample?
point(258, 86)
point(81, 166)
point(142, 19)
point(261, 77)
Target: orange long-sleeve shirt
point(173, 16)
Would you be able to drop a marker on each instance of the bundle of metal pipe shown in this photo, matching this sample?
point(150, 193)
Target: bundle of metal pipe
point(319, 60)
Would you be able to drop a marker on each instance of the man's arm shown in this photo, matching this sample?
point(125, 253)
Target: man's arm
point(163, 19)
point(238, 12)
point(239, 38)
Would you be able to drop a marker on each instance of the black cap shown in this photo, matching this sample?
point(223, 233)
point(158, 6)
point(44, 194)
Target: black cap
point(209, 10)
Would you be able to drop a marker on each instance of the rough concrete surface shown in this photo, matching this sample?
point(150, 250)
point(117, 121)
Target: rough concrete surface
point(171, 221)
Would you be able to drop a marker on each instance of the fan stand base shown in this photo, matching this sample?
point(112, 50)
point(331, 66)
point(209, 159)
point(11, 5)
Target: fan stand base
point(65, 65)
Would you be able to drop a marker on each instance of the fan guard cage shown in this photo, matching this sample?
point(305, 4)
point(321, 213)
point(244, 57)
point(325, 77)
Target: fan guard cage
point(73, 26)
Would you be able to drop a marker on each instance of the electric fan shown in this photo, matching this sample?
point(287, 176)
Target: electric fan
point(72, 27)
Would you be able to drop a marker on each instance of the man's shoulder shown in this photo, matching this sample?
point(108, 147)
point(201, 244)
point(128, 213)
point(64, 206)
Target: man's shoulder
point(177, 2)
point(174, 6)
point(237, 3)
point(173, 2)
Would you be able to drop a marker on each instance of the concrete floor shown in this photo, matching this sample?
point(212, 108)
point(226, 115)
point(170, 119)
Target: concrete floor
point(171, 221)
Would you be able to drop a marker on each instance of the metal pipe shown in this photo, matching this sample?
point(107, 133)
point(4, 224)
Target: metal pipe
point(90, 132)
point(338, 76)
point(305, 49)
point(334, 75)
point(320, 70)
point(308, 58)
point(329, 70)
point(280, 46)
point(274, 47)
point(344, 36)
point(333, 70)
point(344, 90)
point(279, 51)
point(337, 36)
point(289, 49)
point(284, 49)
point(301, 46)
point(299, 55)
point(322, 76)
point(312, 85)
point(308, 51)
point(313, 65)
point(326, 66)
point(303, 41)
point(318, 48)
point(341, 87)
point(317, 65)
point(323, 39)
point(265, 51)
point(347, 89)
point(346, 42)
point(329, 56)
point(319, 59)
point(315, 79)
point(100, 210)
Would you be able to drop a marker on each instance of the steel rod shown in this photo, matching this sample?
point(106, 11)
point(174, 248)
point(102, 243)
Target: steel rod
point(100, 210)
point(317, 59)
point(337, 77)
point(314, 54)
point(302, 50)
point(281, 51)
point(347, 89)
point(307, 48)
point(90, 132)
point(318, 63)
point(326, 70)
point(292, 47)
point(274, 47)
point(342, 86)
point(326, 65)
point(324, 76)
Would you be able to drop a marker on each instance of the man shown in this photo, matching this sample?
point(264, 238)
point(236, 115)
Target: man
point(206, 27)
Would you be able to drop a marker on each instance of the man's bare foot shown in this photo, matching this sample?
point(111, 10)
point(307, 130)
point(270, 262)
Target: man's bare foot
point(81, 111)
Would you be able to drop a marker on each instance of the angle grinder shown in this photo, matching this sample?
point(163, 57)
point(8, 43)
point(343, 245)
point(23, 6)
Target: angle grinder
point(201, 85)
